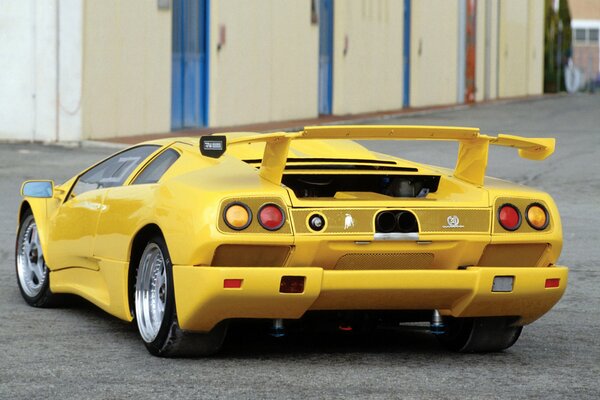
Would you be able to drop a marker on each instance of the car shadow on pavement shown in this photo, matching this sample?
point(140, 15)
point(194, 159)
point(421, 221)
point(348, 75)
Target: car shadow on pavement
point(253, 341)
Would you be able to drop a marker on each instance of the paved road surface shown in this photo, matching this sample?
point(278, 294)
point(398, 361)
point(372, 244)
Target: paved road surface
point(80, 352)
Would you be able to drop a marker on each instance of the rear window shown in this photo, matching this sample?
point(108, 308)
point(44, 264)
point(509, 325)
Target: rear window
point(157, 167)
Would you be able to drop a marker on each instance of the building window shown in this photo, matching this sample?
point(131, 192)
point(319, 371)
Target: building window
point(593, 35)
point(580, 35)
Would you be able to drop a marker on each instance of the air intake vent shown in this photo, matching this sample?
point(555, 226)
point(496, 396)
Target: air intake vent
point(385, 261)
point(512, 255)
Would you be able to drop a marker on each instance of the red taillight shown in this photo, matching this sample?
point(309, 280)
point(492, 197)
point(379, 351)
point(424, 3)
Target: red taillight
point(271, 217)
point(552, 283)
point(292, 284)
point(509, 217)
point(232, 283)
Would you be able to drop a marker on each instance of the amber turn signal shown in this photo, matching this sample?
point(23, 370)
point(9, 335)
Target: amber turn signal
point(237, 216)
point(537, 216)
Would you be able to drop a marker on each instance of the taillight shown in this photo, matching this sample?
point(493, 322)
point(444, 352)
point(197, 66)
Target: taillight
point(537, 216)
point(271, 217)
point(237, 216)
point(509, 217)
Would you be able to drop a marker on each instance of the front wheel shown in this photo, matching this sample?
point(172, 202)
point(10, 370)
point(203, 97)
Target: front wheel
point(479, 335)
point(33, 275)
point(156, 313)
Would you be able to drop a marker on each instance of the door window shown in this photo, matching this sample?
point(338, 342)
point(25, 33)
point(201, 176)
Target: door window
point(113, 171)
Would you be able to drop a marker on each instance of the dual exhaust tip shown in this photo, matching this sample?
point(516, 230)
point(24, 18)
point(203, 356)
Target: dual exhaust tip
point(396, 221)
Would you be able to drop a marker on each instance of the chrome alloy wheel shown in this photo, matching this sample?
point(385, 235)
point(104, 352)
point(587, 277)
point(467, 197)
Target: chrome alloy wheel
point(31, 268)
point(151, 292)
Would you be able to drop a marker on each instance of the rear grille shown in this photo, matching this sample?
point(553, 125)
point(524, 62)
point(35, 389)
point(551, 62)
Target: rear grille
point(385, 261)
point(512, 255)
point(237, 255)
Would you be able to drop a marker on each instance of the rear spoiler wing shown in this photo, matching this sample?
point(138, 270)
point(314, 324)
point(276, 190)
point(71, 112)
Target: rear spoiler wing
point(472, 151)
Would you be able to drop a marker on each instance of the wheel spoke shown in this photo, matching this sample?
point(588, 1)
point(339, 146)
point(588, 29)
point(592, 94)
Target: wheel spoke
point(150, 290)
point(31, 267)
point(38, 269)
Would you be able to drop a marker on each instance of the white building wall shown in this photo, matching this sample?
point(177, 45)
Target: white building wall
point(513, 48)
point(368, 73)
point(535, 33)
point(433, 52)
point(267, 68)
point(40, 79)
point(126, 69)
point(17, 76)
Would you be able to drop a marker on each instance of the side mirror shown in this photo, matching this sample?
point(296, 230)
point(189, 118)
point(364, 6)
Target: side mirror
point(40, 189)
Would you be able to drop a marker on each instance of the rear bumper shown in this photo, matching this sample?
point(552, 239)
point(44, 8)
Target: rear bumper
point(202, 301)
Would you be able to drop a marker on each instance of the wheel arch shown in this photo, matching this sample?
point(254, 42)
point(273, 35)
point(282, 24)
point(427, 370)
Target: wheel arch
point(137, 248)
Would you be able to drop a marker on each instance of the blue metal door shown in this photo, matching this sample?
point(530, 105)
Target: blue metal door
point(189, 94)
point(406, 55)
point(325, 56)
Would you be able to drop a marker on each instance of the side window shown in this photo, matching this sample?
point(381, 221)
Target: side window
point(155, 170)
point(114, 171)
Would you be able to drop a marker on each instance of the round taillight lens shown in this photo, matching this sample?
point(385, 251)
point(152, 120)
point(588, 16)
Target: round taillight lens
point(537, 216)
point(237, 216)
point(509, 217)
point(270, 216)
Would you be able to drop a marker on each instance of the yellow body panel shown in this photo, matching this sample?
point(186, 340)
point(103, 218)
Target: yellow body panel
point(202, 301)
point(88, 239)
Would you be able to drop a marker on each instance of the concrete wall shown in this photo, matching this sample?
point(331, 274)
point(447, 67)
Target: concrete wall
point(76, 69)
point(368, 75)
point(521, 47)
point(126, 69)
point(40, 64)
point(433, 53)
point(267, 68)
point(535, 34)
point(486, 71)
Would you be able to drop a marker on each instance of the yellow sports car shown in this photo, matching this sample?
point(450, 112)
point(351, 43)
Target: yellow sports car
point(184, 235)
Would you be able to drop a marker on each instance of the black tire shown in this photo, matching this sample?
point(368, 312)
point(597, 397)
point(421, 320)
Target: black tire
point(479, 335)
point(170, 340)
point(34, 286)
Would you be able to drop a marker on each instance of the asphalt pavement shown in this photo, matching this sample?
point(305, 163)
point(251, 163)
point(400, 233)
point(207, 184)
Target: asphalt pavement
point(80, 352)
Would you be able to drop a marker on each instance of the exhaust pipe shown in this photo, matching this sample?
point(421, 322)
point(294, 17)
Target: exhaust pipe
point(277, 329)
point(385, 222)
point(406, 222)
point(437, 323)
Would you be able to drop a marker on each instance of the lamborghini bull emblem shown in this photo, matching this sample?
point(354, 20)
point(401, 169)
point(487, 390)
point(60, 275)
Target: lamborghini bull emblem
point(348, 222)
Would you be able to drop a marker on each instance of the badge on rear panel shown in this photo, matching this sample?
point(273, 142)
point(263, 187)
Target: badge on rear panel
point(453, 222)
point(348, 222)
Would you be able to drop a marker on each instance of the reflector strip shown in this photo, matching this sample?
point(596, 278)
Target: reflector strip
point(552, 283)
point(232, 283)
point(292, 284)
point(503, 284)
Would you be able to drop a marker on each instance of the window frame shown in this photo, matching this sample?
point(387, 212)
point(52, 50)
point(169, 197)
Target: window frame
point(127, 180)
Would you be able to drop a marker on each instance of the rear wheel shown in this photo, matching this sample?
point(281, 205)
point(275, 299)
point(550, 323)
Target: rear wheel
point(479, 335)
point(33, 275)
point(155, 310)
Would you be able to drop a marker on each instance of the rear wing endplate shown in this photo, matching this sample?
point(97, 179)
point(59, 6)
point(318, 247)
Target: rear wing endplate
point(472, 152)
